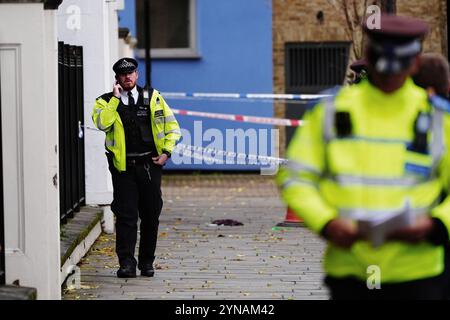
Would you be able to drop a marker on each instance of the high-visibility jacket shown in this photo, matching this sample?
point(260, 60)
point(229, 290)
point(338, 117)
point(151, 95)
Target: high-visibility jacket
point(370, 171)
point(165, 128)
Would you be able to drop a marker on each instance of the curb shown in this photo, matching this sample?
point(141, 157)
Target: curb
point(77, 237)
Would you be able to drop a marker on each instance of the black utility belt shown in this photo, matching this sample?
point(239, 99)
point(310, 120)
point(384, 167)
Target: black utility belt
point(134, 159)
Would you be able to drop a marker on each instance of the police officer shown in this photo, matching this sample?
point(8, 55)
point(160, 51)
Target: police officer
point(434, 74)
point(365, 152)
point(359, 68)
point(141, 132)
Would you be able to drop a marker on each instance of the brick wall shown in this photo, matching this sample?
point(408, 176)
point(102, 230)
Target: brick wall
point(297, 20)
point(434, 12)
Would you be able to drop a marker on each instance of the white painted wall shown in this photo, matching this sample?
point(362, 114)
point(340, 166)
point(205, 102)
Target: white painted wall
point(29, 100)
point(93, 25)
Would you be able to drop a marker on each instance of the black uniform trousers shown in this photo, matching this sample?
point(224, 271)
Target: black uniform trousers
point(350, 288)
point(137, 193)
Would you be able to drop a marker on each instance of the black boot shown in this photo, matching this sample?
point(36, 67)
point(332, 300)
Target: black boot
point(147, 270)
point(126, 271)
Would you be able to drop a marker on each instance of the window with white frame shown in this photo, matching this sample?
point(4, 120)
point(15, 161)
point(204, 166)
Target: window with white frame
point(172, 28)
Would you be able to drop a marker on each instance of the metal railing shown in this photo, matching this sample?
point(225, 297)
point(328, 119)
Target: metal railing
point(71, 122)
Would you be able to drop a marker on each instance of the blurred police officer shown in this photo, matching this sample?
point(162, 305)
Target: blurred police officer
point(364, 152)
point(434, 76)
point(141, 132)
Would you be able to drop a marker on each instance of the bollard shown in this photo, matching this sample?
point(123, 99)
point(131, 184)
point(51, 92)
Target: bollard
point(108, 220)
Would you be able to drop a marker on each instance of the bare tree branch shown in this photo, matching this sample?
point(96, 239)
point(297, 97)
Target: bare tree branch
point(354, 16)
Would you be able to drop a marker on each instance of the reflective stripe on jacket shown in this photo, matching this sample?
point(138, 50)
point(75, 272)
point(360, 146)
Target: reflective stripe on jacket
point(165, 128)
point(372, 170)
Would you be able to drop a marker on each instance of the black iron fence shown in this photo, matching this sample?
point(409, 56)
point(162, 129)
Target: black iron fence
point(71, 133)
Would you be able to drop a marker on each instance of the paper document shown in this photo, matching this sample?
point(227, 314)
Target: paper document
point(376, 228)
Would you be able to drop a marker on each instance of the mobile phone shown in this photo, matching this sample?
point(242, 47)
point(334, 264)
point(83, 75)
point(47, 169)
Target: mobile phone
point(120, 87)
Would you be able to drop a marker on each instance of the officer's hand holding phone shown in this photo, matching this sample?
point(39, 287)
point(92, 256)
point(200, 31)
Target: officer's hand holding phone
point(117, 89)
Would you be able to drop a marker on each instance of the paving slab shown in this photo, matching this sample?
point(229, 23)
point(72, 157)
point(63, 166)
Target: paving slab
point(197, 260)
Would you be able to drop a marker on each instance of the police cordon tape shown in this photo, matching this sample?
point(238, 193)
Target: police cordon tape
point(241, 118)
point(212, 152)
point(193, 152)
point(272, 96)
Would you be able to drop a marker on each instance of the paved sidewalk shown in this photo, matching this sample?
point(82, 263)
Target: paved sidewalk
point(196, 260)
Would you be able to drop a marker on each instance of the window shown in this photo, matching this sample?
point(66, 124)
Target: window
point(172, 25)
point(310, 68)
point(315, 66)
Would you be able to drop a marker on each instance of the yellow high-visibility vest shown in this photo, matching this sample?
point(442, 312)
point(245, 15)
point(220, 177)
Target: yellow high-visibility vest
point(369, 171)
point(165, 128)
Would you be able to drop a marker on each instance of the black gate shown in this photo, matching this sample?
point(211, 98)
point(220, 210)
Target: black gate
point(71, 135)
point(2, 221)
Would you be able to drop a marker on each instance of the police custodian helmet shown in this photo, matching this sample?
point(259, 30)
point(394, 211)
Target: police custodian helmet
point(125, 65)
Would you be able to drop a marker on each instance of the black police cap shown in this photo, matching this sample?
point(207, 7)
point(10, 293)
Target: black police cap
point(125, 65)
point(398, 29)
point(395, 42)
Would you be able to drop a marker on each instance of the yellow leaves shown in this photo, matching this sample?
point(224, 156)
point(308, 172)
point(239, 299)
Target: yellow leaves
point(74, 289)
point(88, 287)
point(110, 251)
point(103, 238)
point(161, 267)
point(275, 238)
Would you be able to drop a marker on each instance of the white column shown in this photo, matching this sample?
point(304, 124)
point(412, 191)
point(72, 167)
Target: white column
point(93, 25)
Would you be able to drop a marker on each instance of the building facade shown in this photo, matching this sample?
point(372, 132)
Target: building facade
point(29, 106)
point(299, 26)
point(30, 87)
point(210, 46)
